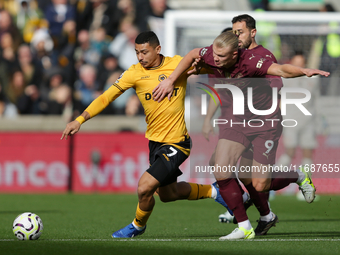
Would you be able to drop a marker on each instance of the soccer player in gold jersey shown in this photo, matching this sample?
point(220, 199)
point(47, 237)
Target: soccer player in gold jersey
point(169, 141)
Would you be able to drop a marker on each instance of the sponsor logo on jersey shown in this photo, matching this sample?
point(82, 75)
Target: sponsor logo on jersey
point(203, 51)
point(238, 75)
point(145, 77)
point(260, 62)
point(148, 96)
point(162, 77)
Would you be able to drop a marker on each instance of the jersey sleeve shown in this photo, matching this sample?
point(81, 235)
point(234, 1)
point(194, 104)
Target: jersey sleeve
point(205, 53)
point(206, 56)
point(257, 66)
point(124, 82)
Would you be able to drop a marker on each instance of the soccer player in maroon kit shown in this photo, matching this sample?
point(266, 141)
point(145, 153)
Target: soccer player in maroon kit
point(245, 26)
point(225, 60)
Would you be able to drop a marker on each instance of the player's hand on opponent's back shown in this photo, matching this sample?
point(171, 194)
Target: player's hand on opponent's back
point(163, 89)
point(71, 128)
point(197, 65)
point(207, 129)
point(166, 87)
point(311, 72)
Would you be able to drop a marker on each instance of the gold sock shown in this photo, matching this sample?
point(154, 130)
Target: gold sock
point(141, 217)
point(199, 191)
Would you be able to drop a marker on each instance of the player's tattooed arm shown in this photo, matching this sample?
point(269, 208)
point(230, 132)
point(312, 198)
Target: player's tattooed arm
point(165, 88)
point(290, 71)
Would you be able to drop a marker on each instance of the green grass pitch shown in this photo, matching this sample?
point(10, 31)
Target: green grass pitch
point(83, 224)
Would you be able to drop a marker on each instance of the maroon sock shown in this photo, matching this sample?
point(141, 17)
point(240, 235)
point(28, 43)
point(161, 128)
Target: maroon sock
point(232, 195)
point(242, 191)
point(260, 199)
point(281, 180)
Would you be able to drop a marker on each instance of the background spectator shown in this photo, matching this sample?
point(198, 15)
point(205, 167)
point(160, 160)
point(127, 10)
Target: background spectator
point(123, 46)
point(156, 18)
point(29, 66)
point(8, 54)
point(100, 13)
point(304, 134)
point(57, 13)
point(7, 26)
point(107, 66)
point(67, 45)
point(25, 97)
point(86, 87)
point(28, 18)
point(329, 54)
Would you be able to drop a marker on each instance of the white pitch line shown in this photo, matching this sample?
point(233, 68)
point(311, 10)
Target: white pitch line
point(178, 240)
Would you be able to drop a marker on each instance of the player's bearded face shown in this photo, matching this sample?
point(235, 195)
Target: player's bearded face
point(244, 36)
point(147, 55)
point(244, 40)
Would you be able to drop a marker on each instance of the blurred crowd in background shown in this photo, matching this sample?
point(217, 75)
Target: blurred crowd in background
point(59, 55)
point(56, 56)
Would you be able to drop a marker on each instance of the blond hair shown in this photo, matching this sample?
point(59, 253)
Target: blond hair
point(227, 39)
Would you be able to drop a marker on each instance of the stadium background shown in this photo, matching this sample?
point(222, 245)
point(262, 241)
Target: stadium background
point(110, 152)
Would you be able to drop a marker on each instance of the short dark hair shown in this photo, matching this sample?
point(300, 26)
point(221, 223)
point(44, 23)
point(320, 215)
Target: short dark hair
point(147, 37)
point(250, 21)
point(329, 8)
point(226, 29)
point(298, 52)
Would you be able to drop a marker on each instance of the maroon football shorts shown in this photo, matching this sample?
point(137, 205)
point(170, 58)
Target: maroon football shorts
point(261, 142)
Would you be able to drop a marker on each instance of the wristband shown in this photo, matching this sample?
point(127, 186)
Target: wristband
point(80, 119)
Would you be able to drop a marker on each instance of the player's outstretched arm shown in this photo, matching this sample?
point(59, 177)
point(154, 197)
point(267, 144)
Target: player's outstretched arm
point(165, 88)
point(311, 72)
point(290, 71)
point(96, 107)
point(74, 126)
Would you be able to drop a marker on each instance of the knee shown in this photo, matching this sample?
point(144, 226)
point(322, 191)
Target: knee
point(144, 191)
point(261, 186)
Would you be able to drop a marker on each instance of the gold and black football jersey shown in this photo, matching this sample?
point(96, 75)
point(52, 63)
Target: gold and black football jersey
point(165, 120)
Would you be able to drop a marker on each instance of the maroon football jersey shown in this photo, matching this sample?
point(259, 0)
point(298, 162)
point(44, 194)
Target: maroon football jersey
point(260, 50)
point(250, 70)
